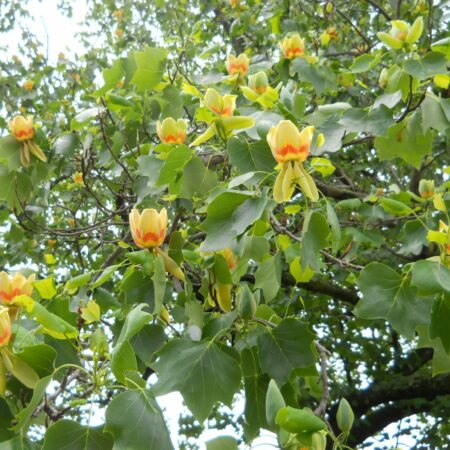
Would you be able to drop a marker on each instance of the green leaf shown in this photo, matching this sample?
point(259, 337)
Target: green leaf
point(395, 207)
point(299, 420)
point(322, 78)
point(105, 276)
point(440, 318)
point(123, 360)
point(314, 238)
point(365, 62)
point(287, 347)
point(46, 288)
point(9, 152)
point(268, 276)
point(69, 435)
point(134, 322)
point(388, 295)
point(150, 67)
point(53, 325)
point(441, 359)
point(229, 215)
point(148, 341)
point(135, 421)
point(19, 368)
point(40, 357)
point(78, 281)
point(197, 179)
point(336, 234)
point(222, 443)
point(405, 140)
point(430, 277)
point(193, 368)
point(253, 157)
point(174, 164)
point(433, 113)
point(433, 63)
point(25, 414)
point(66, 145)
point(372, 121)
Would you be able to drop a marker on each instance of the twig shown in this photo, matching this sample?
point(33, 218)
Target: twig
point(323, 352)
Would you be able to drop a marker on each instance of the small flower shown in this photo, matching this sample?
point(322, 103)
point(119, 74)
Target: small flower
point(120, 84)
point(78, 178)
point(118, 32)
point(288, 143)
point(402, 33)
point(22, 128)
point(28, 85)
point(258, 82)
point(171, 131)
point(14, 286)
point(222, 106)
point(237, 65)
point(426, 188)
point(118, 13)
point(51, 242)
point(149, 228)
point(5, 327)
point(293, 46)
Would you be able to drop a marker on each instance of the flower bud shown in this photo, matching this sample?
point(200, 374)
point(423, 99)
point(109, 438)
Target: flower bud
point(118, 13)
point(345, 416)
point(119, 33)
point(14, 286)
point(441, 81)
point(318, 441)
point(22, 128)
point(222, 106)
point(293, 46)
point(258, 82)
point(426, 188)
point(237, 64)
point(149, 228)
point(246, 303)
point(383, 79)
point(320, 140)
point(171, 131)
point(5, 327)
point(288, 143)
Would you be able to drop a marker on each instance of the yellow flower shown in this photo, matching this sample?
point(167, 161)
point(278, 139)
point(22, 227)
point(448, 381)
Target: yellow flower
point(222, 106)
point(78, 178)
point(51, 242)
point(22, 128)
point(237, 64)
point(14, 286)
point(293, 46)
point(289, 144)
point(229, 256)
point(171, 131)
point(118, 33)
point(5, 326)
point(402, 33)
point(118, 13)
point(149, 228)
point(28, 85)
point(120, 84)
point(426, 188)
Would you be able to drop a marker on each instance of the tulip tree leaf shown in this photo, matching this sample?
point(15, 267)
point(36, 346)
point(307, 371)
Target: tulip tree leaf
point(388, 295)
point(430, 277)
point(372, 121)
point(150, 67)
point(315, 233)
point(250, 157)
point(431, 64)
point(441, 359)
point(75, 437)
point(135, 420)
point(195, 368)
point(268, 276)
point(285, 348)
point(222, 443)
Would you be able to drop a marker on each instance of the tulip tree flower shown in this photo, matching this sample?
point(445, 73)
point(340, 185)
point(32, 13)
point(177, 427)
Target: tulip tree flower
point(171, 131)
point(290, 148)
point(426, 188)
point(78, 178)
point(11, 287)
point(23, 130)
point(5, 327)
point(258, 90)
point(223, 122)
point(237, 65)
point(402, 33)
point(293, 46)
point(149, 230)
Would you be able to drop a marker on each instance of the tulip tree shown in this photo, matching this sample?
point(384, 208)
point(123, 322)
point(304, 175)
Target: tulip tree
point(245, 202)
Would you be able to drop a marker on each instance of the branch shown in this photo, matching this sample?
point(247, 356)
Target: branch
point(321, 408)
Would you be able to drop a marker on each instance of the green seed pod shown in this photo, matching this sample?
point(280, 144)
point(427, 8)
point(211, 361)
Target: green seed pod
point(298, 420)
point(345, 416)
point(274, 402)
point(246, 303)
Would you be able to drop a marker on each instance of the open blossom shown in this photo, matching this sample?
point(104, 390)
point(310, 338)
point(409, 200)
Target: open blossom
point(171, 131)
point(237, 64)
point(293, 46)
point(149, 228)
point(22, 128)
point(288, 143)
point(222, 106)
point(402, 33)
point(5, 327)
point(78, 178)
point(11, 287)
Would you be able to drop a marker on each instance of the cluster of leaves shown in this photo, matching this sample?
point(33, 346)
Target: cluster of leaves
point(350, 291)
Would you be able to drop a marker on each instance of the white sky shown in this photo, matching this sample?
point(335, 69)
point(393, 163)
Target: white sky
point(45, 21)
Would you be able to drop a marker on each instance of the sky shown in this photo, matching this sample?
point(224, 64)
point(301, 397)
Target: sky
point(59, 33)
